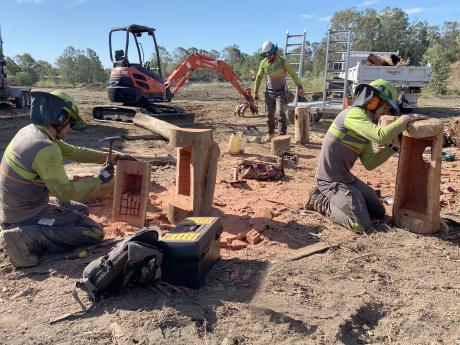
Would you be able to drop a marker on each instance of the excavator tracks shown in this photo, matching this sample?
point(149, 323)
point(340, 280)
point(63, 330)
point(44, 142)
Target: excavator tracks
point(121, 113)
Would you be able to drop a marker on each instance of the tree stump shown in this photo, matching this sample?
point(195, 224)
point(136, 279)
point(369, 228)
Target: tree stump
point(416, 205)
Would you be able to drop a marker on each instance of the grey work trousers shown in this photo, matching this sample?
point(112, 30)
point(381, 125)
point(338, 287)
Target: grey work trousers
point(276, 103)
point(60, 227)
point(353, 205)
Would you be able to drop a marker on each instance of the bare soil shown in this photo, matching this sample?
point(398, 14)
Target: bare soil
point(387, 287)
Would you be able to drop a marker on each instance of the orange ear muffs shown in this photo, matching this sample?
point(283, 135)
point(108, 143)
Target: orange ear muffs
point(374, 103)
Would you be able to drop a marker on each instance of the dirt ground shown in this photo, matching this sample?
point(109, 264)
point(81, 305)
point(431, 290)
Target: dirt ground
point(387, 287)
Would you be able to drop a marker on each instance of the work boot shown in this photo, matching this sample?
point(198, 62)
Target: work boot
point(268, 138)
point(316, 201)
point(12, 242)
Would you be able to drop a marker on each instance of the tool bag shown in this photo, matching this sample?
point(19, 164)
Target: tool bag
point(263, 171)
point(134, 261)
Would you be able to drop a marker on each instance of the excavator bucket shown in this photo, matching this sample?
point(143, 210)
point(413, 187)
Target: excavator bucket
point(249, 102)
point(241, 108)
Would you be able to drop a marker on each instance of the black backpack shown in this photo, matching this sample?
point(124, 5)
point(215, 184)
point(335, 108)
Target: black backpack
point(134, 261)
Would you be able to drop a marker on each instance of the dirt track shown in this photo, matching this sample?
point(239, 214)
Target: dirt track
point(389, 287)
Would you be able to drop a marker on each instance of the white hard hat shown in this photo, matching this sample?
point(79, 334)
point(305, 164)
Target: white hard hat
point(268, 48)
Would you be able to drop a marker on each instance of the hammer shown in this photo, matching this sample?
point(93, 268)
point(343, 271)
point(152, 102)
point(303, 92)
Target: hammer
point(110, 140)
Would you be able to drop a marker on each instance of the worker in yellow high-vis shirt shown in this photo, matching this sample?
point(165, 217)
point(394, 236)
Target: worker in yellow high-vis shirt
point(32, 166)
point(275, 68)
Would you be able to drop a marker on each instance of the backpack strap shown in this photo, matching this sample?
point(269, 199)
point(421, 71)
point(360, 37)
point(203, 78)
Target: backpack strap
point(84, 284)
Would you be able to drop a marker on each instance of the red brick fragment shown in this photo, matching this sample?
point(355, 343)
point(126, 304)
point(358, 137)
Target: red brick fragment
point(238, 245)
point(253, 237)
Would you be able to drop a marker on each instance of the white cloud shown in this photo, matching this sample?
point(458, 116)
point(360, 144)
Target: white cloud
point(314, 16)
point(308, 16)
point(369, 3)
point(414, 10)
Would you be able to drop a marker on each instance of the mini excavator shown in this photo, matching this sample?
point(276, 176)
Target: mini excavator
point(141, 88)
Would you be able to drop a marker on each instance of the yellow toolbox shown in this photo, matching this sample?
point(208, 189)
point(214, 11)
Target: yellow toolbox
point(189, 250)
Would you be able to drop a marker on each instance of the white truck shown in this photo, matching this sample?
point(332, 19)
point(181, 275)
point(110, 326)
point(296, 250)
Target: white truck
point(409, 80)
point(18, 95)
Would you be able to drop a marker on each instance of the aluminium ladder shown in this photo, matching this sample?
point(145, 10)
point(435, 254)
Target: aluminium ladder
point(335, 89)
point(295, 53)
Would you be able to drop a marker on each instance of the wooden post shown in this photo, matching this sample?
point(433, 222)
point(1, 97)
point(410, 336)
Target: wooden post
point(197, 155)
point(302, 125)
point(281, 144)
point(416, 206)
point(132, 186)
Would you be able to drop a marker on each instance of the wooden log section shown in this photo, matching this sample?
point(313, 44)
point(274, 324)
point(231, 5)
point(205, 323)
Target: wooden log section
point(302, 125)
point(416, 206)
point(281, 144)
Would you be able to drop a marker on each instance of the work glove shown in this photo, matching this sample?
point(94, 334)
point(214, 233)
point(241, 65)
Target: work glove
point(256, 96)
point(106, 173)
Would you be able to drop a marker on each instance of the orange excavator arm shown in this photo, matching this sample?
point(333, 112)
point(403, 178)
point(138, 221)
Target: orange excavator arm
point(199, 61)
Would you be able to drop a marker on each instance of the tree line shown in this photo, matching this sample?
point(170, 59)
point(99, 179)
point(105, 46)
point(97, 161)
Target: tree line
point(387, 30)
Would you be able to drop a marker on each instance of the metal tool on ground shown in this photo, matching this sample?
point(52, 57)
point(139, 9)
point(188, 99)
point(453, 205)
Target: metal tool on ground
point(141, 88)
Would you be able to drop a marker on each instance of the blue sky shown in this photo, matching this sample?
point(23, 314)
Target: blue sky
point(44, 28)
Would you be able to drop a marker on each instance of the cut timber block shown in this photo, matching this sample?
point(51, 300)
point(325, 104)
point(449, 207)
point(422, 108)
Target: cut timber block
point(302, 125)
point(195, 177)
point(416, 205)
point(196, 167)
point(132, 185)
point(281, 144)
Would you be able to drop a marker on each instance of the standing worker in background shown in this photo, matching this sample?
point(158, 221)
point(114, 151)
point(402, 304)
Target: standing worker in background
point(33, 166)
point(275, 68)
point(339, 194)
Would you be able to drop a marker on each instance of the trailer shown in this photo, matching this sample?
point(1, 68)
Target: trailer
point(344, 70)
point(17, 95)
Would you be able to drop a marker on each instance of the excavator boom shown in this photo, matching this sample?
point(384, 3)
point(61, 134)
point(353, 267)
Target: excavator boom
point(199, 61)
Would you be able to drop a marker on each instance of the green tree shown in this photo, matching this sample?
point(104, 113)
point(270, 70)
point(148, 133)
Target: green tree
point(66, 64)
point(437, 57)
point(366, 30)
point(11, 67)
point(167, 63)
point(420, 36)
point(24, 78)
point(96, 70)
point(394, 24)
point(44, 70)
point(451, 40)
point(27, 64)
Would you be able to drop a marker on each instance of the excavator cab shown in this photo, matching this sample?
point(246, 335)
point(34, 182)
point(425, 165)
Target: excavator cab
point(132, 80)
point(141, 87)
